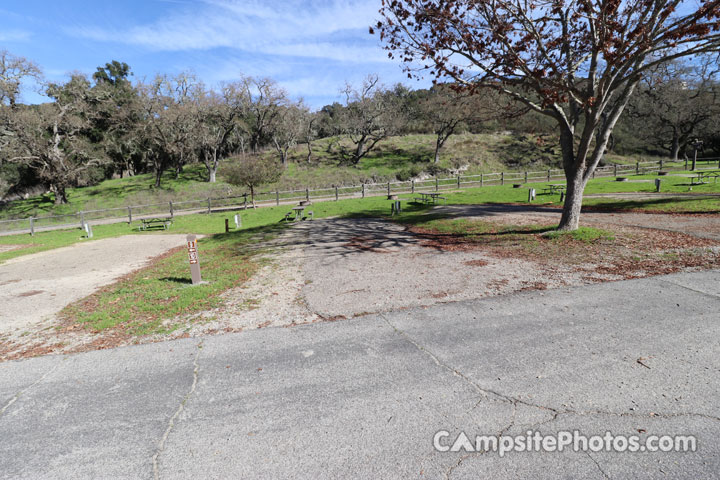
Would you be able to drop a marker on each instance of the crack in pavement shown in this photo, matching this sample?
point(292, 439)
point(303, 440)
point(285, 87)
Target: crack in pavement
point(605, 475)
point(498, 396)
point(181, 407)
point(18, 394)
point(707, 294)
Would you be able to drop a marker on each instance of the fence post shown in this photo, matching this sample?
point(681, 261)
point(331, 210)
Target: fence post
point(502, 178)
point(549, 173)
point(661, 164)
point(437, 186)
point(388, 189)
point(82, 219)
point(526, 177)
point(172, 210)
point(307, 194)
point(32, 226)
point(277, 197)
point(637, 168)
point(615, 169)
point(363, 190)
point(482, 179)
point(208, 204)
point(686, 162)
point(245, 201)
point(458, 182)
point(412, 186)
point(129, 215)
point(336, 193)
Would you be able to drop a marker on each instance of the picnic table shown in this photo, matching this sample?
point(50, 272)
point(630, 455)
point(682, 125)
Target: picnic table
point(298, 212)
point(430, 197)
point(702, 177)
point(148, 223)
point(554, 188)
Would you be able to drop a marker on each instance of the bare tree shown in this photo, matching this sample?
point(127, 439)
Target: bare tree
point(219, 116)
point(371, 114)
point(577, 62)
point(290, 127)
point(170, 114)
point(265, 99)
point(14, 71)
point(52, 138)
point(674, 101)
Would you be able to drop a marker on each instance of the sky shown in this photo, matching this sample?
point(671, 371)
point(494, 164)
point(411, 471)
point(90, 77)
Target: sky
point(310, 47)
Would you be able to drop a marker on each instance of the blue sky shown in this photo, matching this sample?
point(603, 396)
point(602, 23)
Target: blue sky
point(310, 47)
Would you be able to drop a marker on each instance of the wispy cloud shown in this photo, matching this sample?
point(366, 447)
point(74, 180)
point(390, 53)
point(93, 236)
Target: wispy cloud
point(335, 30)
point(15, 36)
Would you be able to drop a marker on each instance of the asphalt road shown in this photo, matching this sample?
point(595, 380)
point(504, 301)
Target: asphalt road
point(363, 398)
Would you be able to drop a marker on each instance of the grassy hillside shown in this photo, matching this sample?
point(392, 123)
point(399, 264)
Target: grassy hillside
point(397, 158)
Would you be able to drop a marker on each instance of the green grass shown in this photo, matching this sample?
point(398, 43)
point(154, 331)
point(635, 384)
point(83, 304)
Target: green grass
point(396, 158)
point(142, 302)
point(146, 300)
point(582, 234)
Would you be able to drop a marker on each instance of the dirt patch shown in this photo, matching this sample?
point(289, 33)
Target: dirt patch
point(10, 248)
point(476, 263)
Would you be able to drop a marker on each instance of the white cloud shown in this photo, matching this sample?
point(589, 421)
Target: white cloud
point(336, 30)
point(15, 36)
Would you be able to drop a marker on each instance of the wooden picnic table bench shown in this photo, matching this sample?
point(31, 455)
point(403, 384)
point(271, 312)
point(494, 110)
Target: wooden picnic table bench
point(429, 197)
point(701, 177)
point(148, 223)
point(554, 188)
point(298, 212)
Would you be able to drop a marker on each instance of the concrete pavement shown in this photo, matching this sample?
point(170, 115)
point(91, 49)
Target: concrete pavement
point(363, 398)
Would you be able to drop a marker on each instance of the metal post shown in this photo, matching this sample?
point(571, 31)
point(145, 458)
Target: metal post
point(277, 197)
point(32, 226)
point(657, 184)
point(238, 221)
point(129, 215)
point(531, 195)
point(336, 193)
point(208, 200)
point(172, 210)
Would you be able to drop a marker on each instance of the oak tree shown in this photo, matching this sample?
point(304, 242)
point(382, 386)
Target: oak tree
point(576, 61)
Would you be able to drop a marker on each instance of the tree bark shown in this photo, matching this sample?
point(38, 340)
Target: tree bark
point(60, 194)
point(675, 148)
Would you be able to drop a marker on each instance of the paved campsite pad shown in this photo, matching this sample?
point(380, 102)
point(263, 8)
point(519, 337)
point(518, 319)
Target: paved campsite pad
point(35, 287)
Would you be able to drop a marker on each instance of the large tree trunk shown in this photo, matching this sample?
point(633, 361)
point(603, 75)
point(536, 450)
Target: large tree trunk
point(437, 151)
point(675, 148)
point(212, 175)
point(359, 151)
point(570, 219)
point(60, 194)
